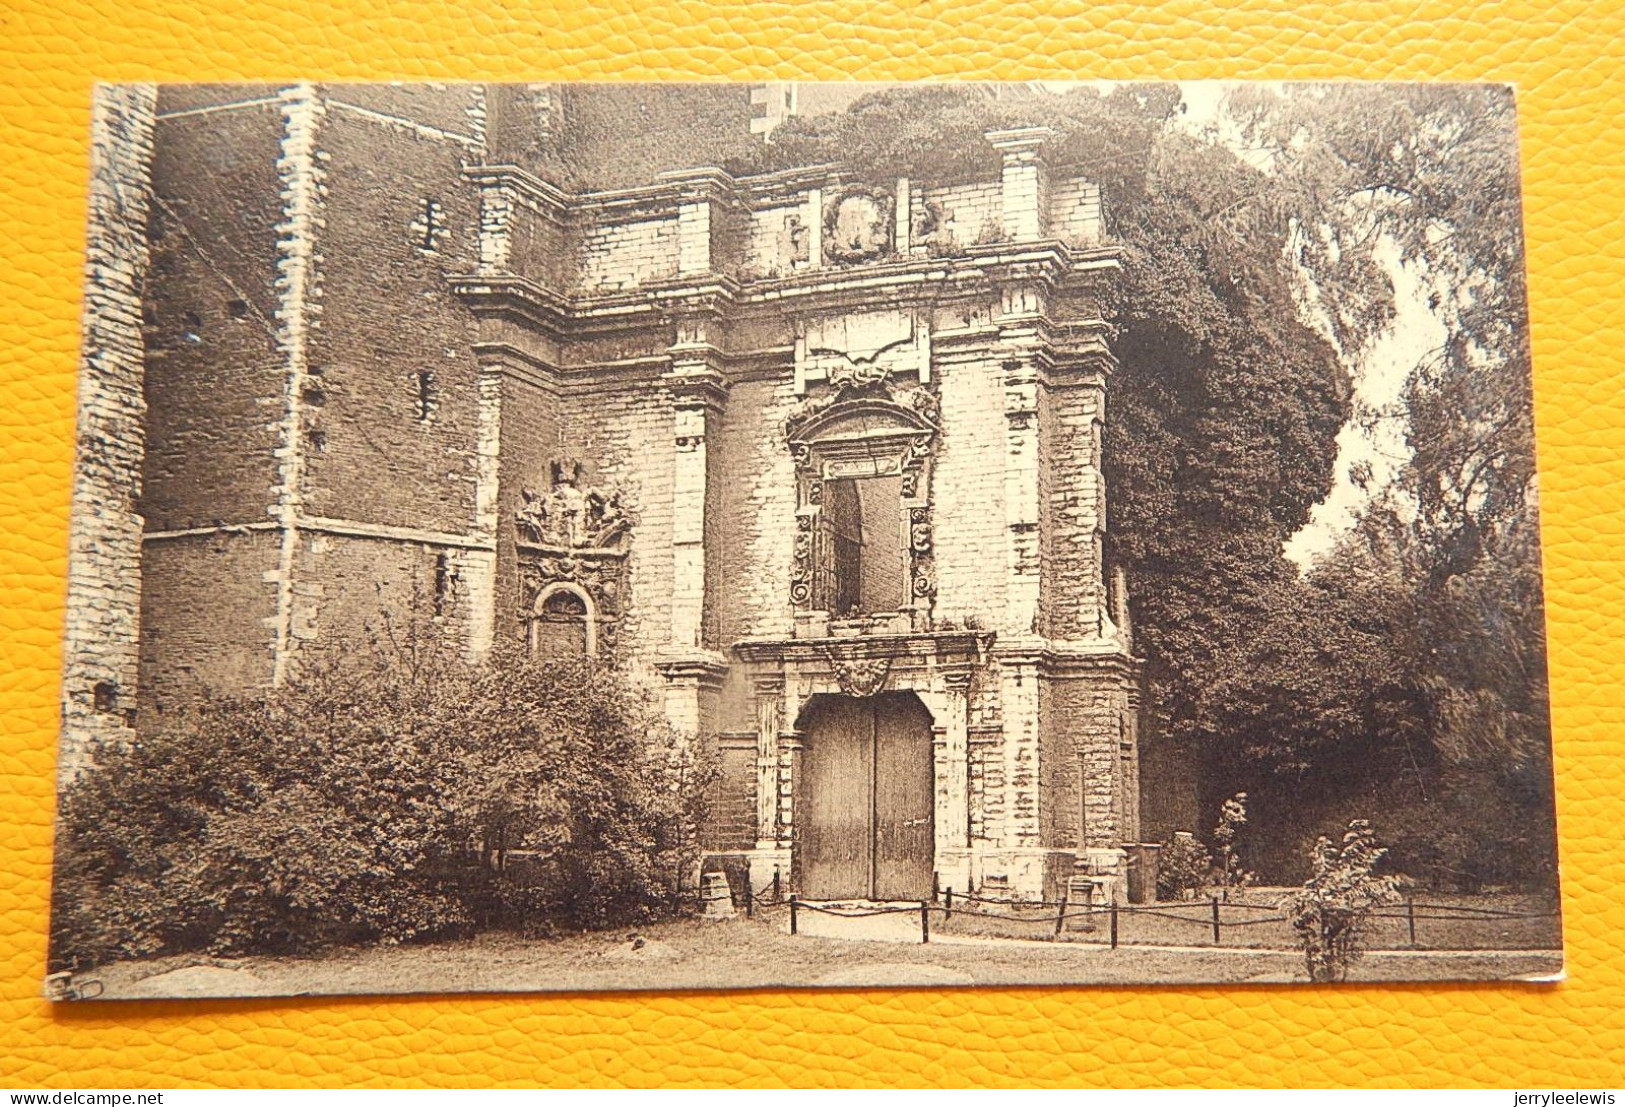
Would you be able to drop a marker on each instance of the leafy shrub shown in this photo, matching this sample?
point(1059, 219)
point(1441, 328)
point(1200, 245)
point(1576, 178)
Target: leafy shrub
point(1183, 868)
point(1331, 911)
point(1232, 817)
point(375, 798)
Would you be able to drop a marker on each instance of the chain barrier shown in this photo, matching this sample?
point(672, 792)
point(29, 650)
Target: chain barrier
point(1212, 916)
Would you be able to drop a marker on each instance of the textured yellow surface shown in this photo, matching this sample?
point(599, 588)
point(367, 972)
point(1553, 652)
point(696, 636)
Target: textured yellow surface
point(1569, 62)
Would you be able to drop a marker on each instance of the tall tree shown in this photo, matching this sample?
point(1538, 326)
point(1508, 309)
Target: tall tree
point(1433, 170)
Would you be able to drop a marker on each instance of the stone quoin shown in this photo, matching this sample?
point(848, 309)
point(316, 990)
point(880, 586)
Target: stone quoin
point(815, 457)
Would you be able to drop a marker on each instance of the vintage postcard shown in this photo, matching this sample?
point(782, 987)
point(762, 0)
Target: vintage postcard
point(715, 535)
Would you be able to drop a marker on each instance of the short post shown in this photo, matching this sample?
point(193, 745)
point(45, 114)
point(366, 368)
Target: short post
point(948, 904)
point(777, 896)
point(925, 922)
point(1215, 920)
point(1410, 917)
point(1060, 918)
point(792, 914)
point(1114, 924)
point(750, 898)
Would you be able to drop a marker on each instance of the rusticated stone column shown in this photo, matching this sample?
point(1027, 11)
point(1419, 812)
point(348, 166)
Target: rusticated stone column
point(99, 650)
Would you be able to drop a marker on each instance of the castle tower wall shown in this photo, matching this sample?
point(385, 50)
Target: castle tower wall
point(314, 390)
point(100, 640)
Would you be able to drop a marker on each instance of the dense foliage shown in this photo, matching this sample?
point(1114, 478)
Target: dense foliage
point(1435, 713)
point(383, 796)
point(1403, 675)
point(1184, 868)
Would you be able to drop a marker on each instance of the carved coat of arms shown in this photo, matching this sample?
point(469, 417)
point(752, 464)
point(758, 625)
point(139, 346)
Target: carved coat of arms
point(569, 516)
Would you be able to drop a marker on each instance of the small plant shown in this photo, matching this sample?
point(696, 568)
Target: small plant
point(1331, 911)
point(1232, 817)
point(1184, 867)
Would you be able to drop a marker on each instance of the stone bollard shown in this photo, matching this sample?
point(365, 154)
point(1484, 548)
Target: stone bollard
point(1080, 899)
point(717, 896)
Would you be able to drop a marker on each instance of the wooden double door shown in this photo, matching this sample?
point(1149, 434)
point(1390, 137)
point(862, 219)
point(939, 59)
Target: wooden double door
point(865, 810)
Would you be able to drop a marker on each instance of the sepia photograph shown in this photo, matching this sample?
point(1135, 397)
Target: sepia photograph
point(593, 537)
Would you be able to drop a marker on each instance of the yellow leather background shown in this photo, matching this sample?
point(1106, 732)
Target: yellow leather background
point(1567, 59)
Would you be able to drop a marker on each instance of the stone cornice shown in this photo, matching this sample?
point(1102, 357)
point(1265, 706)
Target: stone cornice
point(940, 647)
point(1063, 658)
point(547, 196)
point(565, 317)
point(707, 667)
point(901, 283)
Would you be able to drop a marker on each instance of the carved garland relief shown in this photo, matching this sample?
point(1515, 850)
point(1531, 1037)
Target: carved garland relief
point(858, 224)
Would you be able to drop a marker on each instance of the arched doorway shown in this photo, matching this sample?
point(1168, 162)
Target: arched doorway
point(564, 623)
point(866, 798)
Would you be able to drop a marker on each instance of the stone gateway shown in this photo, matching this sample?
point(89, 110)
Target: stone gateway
point(817, 457)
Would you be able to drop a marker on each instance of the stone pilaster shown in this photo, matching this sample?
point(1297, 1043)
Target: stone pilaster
point(478, 568)
point(769, 693)
point(1021, 355)
point(692, 668)
point(902, 226)
point(1129, 758)
point(790, 750)
point(703, 213)
point(813, 219)
point(1025, 182)
point(1019, 696)
point(691, 690)
point(950, 746)
point(698, 392)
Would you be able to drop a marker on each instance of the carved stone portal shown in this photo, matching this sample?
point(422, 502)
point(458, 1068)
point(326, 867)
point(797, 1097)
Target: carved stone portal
point(855, 434)
point(576, 536)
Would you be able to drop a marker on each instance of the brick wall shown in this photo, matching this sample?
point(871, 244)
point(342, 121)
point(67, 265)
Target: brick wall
point(99, 647)
point(969, 214)
point(214, 375)
point(207, 609)
point(624, 431)
point(731, 821)
point(623, 135)
point(1072, 506)
point(173, 98)
point(615, 256)
point(1074, 212)
point(756, 513)
point(354, 591)
point(391, 408)
point(521, 126)
point(1082, 735)
point(777, 242)
point(539, 245)
point(967, 489)
point(455, 109)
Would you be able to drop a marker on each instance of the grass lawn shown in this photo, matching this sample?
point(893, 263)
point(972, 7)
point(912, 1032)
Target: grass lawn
point(755, 953)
